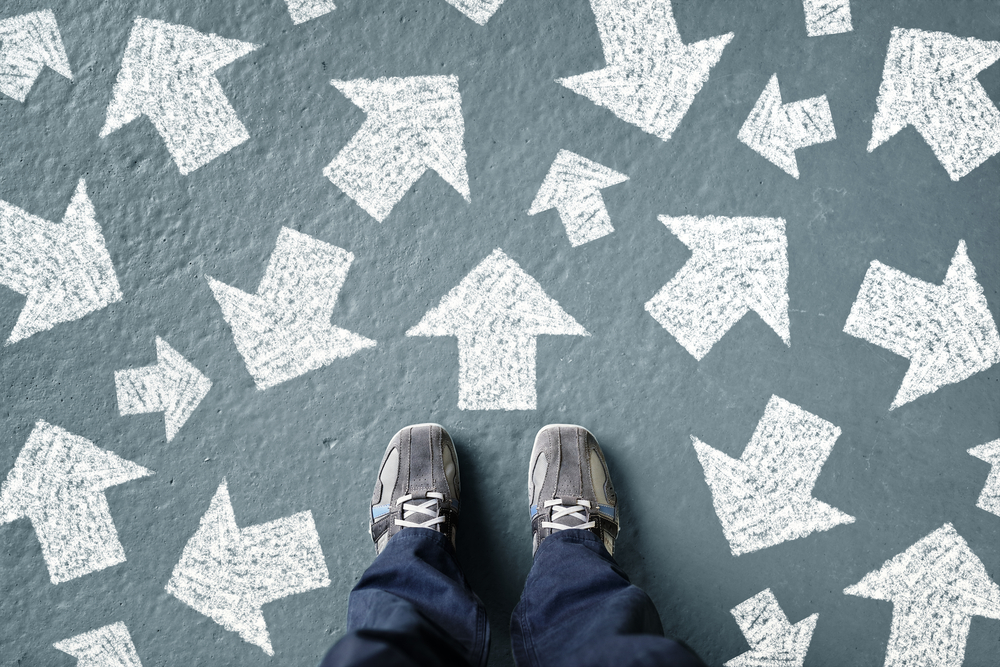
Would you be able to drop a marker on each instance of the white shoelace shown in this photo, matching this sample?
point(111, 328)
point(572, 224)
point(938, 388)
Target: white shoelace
point(577, 511)
point(428, 508)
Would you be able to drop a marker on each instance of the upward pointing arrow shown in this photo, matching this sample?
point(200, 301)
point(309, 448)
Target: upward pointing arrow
point(168, 74)
point(497, 312)
point(936, 587)
point(930, 82)
point(27, 44)
point(774, 642)
point(989, 499)
point(109, 646)
point(58, 483)
point(651, 77)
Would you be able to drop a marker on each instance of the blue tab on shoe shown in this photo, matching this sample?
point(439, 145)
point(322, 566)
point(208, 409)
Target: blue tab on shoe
point(534, 510)
point(606, 510)
point(379, 510)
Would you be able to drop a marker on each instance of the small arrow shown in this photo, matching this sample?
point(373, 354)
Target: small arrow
point(765, 498)
point(989, 499)
point(27, 44)
point(63, 269)
point(414, 124)
point(168, 74)
point(737, 265)
point(307, 10)
point(284, 331)
point(497, 312)
point(777, 130)
point(774, 641)
point(229, 573)
point(479, 11)
point(930, 82)
point(173, 386)
point(946, 331)
point(110, 646)
point(58, 483)
point(827, 17)
point(651, 77)
point(936, 587)
point(573, 187)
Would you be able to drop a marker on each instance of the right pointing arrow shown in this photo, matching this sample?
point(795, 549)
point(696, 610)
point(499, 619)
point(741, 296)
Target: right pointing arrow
point(109, 646)
point(27, 44)
point(774, 642)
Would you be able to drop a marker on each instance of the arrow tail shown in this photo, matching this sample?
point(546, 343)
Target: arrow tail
point(827, 17)
point(305, 275)
point(496, 373)
point(286, 557)
point(141, 390)
point(77, 537)
point(927, 632)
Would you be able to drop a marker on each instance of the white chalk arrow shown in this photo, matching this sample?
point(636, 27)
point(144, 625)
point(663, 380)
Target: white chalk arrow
point(936, 587)
point(774, 641)
point(479, 11)
point(284, 331)
point(229, 573)
point(58, 483)
point(497, 312)
point(946, 331)
point(63, 269)
point(765, 497)
point(573, 187)
point(777, 130)
point(651, 77)
point(929, 82)
point(110, 646)
point(737, 265)
point(989, 499)
point(168, 74)
point(173, 386)
point(827, 17)
point(307, 10)
point(414, 124)
point(28, 43)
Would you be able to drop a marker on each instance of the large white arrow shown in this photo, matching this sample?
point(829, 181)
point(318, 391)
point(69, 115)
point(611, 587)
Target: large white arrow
point(774, 641)
point(173, 386)
point(827, 17)
point(930, 82)
point(946, 331)
point(110, 646)
point(27, 44)
point(573, 187)
point(936, 587)
point(58, 483)
point(307, 10)
point(765, 497)
point(651, 77)
point(989, 499)
point(63, 269)
point(284, 329)
point(497, 312)
point(168, 74)
point(479, 11)
point(229, 573)
point(414, 124)
point(777, 130)
point(737, 265)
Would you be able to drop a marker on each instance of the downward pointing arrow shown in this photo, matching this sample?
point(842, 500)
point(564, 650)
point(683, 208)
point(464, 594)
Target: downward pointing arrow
point(773, 640)
point(989, 499)
point(27, 44)
point(110, 646)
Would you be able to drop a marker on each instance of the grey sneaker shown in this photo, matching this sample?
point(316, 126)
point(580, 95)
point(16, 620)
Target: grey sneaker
point(418, 484)
point(569, 486)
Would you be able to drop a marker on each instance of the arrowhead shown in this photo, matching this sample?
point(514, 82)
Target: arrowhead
point(109, 646)
point(989, 499)
point(307, 10)
point(572, 178)
point(185, 383)
point(479, 11)
point(28, 43)
point(774, 641)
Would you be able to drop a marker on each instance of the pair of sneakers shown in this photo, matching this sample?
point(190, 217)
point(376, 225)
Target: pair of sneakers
point(569, 487)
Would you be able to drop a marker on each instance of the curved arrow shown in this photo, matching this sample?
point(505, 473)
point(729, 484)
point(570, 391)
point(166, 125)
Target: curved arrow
point(110, 646)
point(27, 44)
point(989, 499)
point(774, 642)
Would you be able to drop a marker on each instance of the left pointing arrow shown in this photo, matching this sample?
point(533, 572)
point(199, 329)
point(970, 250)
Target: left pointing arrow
point(109, 646)
point(27, 44)
point(58, 483)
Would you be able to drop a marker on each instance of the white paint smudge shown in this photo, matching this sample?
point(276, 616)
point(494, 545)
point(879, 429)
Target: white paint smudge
point(173, 386)
point(774, 641)
point(307, 10)
point(110, 646)
point(777, 130)
point(28, 43)
point(413, 124)
point(284, 331)
point(989, 499)
point(827, 17)
point(496, 312)
point(737, 265)
point(765, 498)
point(63, 269)
point(929, 82)
point(168, 74)
point(936, 587)
point(58, 483)
point(946, 331)
point(479, 11)
point(651, 77)
point(573, 187)
point(229, 573)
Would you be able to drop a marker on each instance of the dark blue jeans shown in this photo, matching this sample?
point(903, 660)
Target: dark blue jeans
point(414, 607)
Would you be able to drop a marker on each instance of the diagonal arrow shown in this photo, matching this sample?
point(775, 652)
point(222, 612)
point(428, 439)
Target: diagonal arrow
point(936, 587)
point(109, 646)
point(774, 642)
point(479, 11)
point(307, 10)
point(414, 124)
point(168, 74)
point(63, 269)
point(229, 573)
point(284, 329)
point(651, 77)
point(827, 17)
point(765, 498)
point(777, 130)
point(737, 265)
point(58, 483)
point(929, 82)
point(28, 43)
point(946, 331)
point(173, 386)
point(497, 312)
point(989, 499)
point(573, 187)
